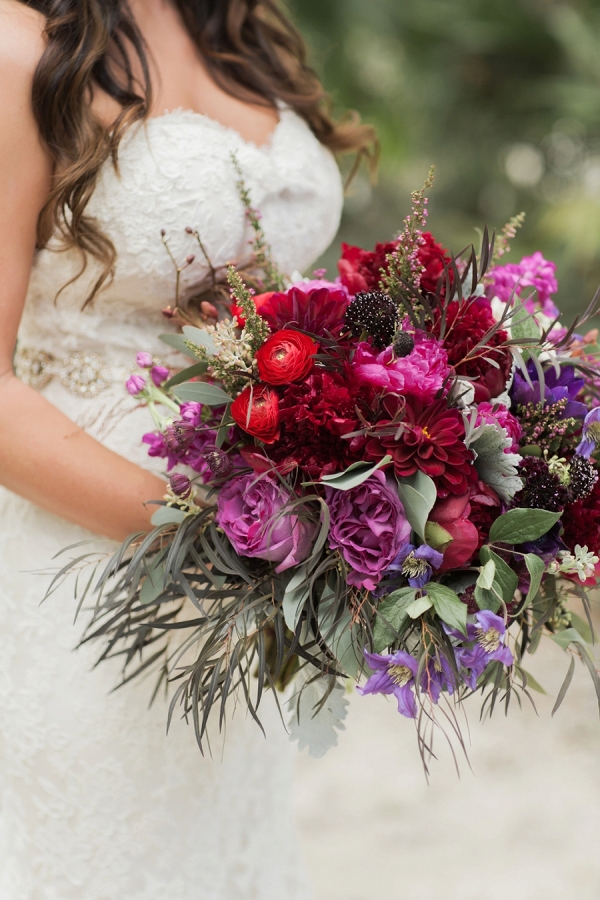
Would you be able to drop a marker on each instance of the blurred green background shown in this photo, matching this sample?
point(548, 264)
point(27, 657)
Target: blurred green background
point(503, 96)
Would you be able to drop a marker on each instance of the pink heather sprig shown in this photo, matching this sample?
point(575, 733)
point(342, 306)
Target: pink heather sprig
point(403, 264)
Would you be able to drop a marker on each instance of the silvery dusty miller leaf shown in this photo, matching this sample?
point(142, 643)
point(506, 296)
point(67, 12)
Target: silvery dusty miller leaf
point(494, 466)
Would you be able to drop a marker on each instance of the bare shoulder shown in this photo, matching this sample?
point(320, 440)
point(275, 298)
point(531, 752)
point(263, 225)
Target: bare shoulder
point(21, 40)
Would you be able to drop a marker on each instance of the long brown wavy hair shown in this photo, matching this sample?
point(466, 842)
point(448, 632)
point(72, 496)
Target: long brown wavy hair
point(250, 47)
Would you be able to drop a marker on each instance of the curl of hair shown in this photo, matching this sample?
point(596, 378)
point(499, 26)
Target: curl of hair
point(250, 47)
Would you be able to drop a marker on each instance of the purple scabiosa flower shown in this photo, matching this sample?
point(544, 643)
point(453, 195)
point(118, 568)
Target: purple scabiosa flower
point(417, 563)
point(486, 642)
point(159, 375)
point(591, 433)
point(393, 673)
point(180, 485)
point(562, 387)
point(135, 384)
point(144, 360)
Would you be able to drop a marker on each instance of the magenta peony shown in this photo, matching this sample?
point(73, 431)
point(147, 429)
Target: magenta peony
point(421, 373)
point(251, 512)
point(368, 527)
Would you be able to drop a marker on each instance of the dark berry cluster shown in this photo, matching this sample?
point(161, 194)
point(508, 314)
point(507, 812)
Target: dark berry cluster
point(376, 314)
point(583, 478)
point(542, 489)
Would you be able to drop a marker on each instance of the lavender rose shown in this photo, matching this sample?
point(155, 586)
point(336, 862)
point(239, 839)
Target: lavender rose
point(369, 527)
point(250, 510)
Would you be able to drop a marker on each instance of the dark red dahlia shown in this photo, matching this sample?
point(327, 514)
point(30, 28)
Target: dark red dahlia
point(467, 321)
point(360, 270)
point(581, 522)
point(319, 311)
point(315, 415)
point(429, 439)
point(432, 257)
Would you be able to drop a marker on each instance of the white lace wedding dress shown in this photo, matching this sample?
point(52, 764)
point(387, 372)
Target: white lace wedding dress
point(96, 802)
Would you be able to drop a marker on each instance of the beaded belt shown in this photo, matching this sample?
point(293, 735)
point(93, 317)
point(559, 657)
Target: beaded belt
point(84, 374)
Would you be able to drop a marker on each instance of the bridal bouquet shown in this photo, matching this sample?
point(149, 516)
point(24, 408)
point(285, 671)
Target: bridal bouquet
point(388, 480)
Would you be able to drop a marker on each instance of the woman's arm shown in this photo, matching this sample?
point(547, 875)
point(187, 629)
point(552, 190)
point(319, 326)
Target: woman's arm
point(44, 456)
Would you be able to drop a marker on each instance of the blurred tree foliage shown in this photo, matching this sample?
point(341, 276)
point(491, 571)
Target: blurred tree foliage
point(503, 96)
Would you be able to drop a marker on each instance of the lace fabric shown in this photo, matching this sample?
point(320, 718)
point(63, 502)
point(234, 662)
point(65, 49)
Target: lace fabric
point(96, 802)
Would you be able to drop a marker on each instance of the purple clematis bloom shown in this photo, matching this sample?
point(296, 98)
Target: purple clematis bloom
point(564, 386)
point(438, 676)
point(417, 564)
point(486, 642)
point(393, 673)
point(591, 433)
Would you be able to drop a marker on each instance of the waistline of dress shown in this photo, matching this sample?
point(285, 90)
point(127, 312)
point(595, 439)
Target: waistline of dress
point(82, 372)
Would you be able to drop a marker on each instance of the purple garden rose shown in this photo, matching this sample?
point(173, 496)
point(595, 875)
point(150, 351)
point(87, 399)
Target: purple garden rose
point(369, 527)
point(251, 512)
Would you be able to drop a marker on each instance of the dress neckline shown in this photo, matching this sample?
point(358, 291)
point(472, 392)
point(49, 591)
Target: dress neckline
point(191, 115)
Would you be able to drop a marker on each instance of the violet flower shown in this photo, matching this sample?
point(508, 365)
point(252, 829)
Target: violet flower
point(159, 375)
point(486, 642)
point(564, 386)
point(135, 384)
point(591, 433)
point(144, 360)
point(417, 564)
point(393, 673)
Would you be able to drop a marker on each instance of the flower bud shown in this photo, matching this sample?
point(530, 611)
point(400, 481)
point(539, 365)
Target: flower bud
point(179, 437)
point(218, 462)
point(181, 485)
point(190, 259)
point(159, 375)
point(168, 312)
point(209, 310)
point(135, 384)
point(144, 360)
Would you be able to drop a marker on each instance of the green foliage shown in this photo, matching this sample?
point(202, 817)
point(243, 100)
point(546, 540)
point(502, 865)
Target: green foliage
point(418, 494)
point(448, 606)
point(520, 525)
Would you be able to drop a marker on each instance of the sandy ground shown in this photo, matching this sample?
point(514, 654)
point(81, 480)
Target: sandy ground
point(524, 825)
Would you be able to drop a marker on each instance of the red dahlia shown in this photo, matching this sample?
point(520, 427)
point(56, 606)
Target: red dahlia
point(314, 417)
point(467, 321)
point(429, 439)
point(360, 270)
point(319, 311)
point(581, 522)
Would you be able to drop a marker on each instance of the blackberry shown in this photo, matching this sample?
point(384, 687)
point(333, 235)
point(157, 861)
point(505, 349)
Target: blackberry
point(403, 344)
point(376, 314)
point(583, 477)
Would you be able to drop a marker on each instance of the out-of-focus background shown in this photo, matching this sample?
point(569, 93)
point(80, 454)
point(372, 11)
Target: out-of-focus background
point(503, 96)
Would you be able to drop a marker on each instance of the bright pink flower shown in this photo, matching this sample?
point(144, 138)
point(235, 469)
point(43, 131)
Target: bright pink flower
point(422, 373)
point(515, 280)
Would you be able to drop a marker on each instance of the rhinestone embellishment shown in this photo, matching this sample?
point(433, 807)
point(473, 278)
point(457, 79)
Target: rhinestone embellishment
point(82, 373)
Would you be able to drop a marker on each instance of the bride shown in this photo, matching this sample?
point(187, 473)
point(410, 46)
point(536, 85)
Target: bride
point(119, 121)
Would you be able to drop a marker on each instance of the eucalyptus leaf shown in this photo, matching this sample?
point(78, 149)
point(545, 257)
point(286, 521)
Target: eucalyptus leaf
point(520, 525)
point(419, 606)
point(167, 515)
point(340, 635)
point(295, 596)
point(200, 392)
point(418, 495)
point(391, 613)
point(186, 374)
point(354, 475)
point(154, 583)
point(448, 606)
point(201, 338)
point(178, 342)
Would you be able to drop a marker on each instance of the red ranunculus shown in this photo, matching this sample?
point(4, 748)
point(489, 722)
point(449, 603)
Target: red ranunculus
point(466, 323)
point(259, 302)
point(285, 357)
point(256, 411)
point(452, 514)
